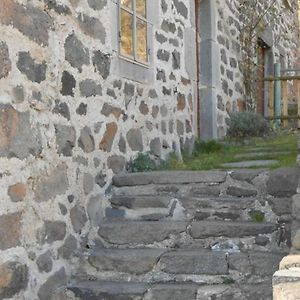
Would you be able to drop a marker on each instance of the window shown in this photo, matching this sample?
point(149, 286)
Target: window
point(133, 30)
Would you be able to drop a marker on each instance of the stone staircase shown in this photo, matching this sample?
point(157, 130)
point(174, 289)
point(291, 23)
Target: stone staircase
point(185, 236)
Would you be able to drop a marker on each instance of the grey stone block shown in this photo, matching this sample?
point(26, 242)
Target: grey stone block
point(135, 202)
point(169, 177)
point(122, 233)
point(196, 262)
point(283, 182)
point(131, 261)
point(205, 229)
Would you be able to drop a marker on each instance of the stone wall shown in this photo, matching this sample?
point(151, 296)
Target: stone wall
point(69, 121)
point(281, 38)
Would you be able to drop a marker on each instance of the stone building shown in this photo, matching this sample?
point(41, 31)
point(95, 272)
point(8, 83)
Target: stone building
point(84, 86)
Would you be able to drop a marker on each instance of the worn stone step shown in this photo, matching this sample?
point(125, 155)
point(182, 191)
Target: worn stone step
point(124, 233)
point(185, 262)
point(141, 261)
point(140, 201)
point(99, 290)
point(262, 154)
point(179, 208)
point(251, 163)
point(205, 229)
point(147, 233)
point(169, 177)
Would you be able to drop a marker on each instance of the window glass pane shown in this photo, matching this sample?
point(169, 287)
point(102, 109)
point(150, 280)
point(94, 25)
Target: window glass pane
point(141, 42)
point(141, 7)
point(126, 33)
point(127, 3)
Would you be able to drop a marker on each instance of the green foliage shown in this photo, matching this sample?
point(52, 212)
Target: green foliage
point(143, 163)
point(247, 124)
point(211, 146)
point(257, 216)
point(228, 280)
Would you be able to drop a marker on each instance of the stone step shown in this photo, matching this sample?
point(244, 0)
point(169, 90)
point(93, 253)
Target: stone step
point(262, 154)
point(251, 163)
point(147, 233)
point(205, 229)
point(137, 262)
point(180, 208)
point(100, 290)
point(169, 177)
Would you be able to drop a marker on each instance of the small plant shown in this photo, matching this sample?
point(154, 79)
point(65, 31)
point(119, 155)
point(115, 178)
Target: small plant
point(257, 216)
point(143, 163)
point(247, 124)
point(228, 280)
point(211, 146)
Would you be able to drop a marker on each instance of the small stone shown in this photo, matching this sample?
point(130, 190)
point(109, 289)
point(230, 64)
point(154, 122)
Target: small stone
point(168, 26)
point(262, 240)
point(122, 144)
point(63, 209)
point(65, 139)
point(18, 92)
point(97, 4)
point(101, 62)
point(152, 94)
point(88, 183)
point(57, 280)
point(176, 60)
point(129, 89)
point(181, 8)
point(68, 84)
point(163, 55)
point(5, 62)
point(94, 209)
point(89, 88)
point(155, 147)
point(135, 139)
point(116, 163)
point(181, 102)
point(100, 179)
point(108, 137)
point(13, 279)
point(92, 27)
point(82, 109)
point(78, 218)
point(75, 52)
point(71, 198)
point(108, 110)
point(52, 231)
point(17, 192)
point(144, 108)
point(86, 140)
point(44, 262)
point(10, 231)
point(155, 111)
point(58, 8)
point(68, 248)
point(62, 109)
point(34, 71)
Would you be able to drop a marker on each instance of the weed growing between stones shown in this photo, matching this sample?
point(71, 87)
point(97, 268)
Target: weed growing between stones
point(257, 216)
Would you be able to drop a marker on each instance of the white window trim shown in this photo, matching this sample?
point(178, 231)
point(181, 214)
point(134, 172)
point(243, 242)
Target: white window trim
point(136, 16)
point(128, 68)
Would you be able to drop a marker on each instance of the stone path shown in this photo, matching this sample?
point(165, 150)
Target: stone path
point(186, 236)
point(251, 163)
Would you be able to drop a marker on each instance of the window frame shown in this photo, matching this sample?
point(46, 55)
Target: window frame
point(134, 59)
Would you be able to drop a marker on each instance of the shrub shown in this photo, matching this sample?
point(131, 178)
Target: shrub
point(211, 146)
point(247, 124)
point(142, 163)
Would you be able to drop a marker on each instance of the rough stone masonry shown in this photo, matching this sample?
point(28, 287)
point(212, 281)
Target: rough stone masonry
point(70, 119)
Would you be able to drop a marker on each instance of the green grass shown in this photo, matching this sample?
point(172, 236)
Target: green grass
point(201, 160)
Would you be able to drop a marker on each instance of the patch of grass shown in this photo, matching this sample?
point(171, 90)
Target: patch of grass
point(257, 216)
point(213, 154)
point(143, 163)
